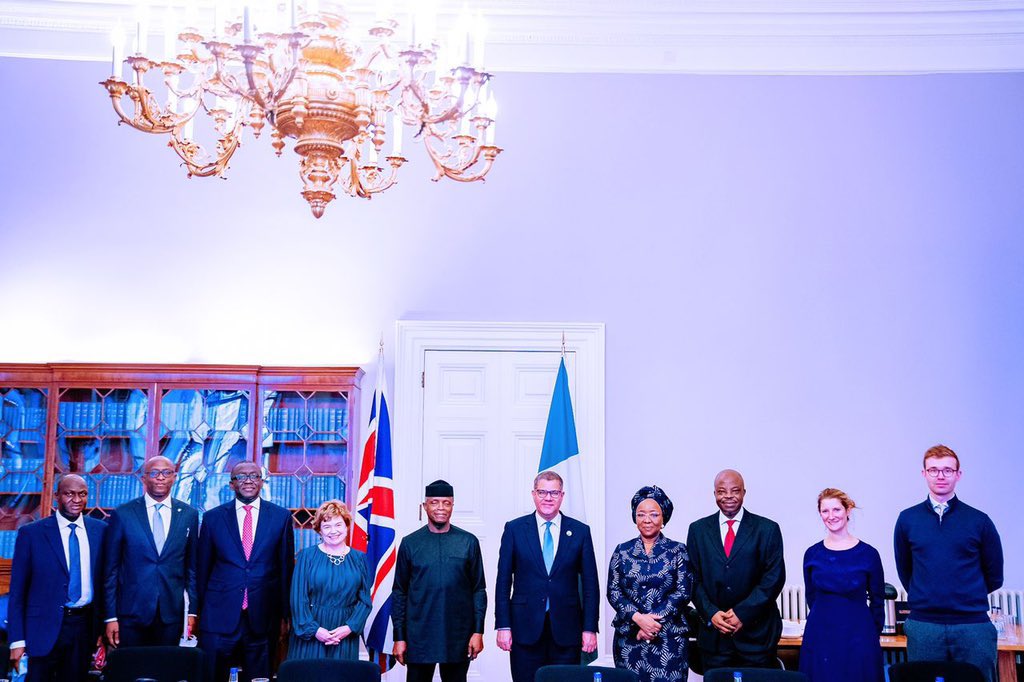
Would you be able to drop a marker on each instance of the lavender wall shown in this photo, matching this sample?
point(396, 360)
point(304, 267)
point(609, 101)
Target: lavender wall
point(809, 279)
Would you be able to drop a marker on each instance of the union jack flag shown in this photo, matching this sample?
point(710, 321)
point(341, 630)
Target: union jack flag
point(374, 528)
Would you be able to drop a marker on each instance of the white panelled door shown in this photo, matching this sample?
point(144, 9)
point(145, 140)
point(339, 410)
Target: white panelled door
point(484, 414)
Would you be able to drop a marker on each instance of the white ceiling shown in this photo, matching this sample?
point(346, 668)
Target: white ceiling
point(654, 36)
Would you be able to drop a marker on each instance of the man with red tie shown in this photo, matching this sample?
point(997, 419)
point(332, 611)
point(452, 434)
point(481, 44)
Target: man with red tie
point(245, 560)
point(738, 573)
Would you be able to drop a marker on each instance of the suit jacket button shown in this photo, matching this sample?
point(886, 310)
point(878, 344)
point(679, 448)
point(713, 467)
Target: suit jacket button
point(728, 589)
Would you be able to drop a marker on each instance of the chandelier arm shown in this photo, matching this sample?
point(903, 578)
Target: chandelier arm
point(188, 151)
point(458, 172)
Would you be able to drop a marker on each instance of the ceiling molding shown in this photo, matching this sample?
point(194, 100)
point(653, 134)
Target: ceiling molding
point(651, 36)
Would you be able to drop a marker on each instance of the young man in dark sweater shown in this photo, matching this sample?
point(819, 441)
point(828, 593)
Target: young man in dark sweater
point(949, 558)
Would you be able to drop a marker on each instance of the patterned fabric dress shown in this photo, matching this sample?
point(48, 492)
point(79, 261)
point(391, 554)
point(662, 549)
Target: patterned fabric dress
point(659, 583)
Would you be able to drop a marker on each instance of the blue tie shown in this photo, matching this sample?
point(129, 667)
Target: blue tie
point(549, 547)
point(74, 567)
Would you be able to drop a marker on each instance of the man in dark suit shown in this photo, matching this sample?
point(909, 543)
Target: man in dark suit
point(150, 563)
point(244, 574)
point(549, 557)
point(55, 580)
point(738, 573)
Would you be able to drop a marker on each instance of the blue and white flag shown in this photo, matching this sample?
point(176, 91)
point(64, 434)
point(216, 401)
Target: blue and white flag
point(561, 451)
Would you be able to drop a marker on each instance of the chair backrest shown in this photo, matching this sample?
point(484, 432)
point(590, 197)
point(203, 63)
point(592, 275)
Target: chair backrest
point(927, 671)
point(161, 663)
point(754, 675)
point(327, 670)
point(583, 673)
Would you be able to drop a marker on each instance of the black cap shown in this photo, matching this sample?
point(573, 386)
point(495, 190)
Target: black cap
point(439, 488)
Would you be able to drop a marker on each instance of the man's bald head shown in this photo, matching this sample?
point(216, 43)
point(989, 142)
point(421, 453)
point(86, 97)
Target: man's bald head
point(729, 492)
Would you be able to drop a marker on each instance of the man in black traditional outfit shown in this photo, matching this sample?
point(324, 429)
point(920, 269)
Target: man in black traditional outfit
point(439, 598)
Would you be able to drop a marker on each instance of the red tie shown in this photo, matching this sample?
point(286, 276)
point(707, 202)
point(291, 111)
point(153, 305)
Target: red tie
point(730, 537)
point(247, 546)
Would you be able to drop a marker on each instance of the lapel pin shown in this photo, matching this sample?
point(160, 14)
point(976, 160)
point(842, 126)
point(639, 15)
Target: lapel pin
point(569, 533)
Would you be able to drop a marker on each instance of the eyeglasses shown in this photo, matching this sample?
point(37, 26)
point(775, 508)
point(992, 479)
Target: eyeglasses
point(447, 504)
point(548, 494)
point(157, 473)
point(643, 516)
point(243, 478)
point(946, 472)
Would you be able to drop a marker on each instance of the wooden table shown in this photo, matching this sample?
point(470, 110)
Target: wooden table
point(1010, 644)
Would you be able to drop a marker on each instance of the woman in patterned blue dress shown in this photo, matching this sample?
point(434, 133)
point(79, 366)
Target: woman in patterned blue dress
point(649, 586)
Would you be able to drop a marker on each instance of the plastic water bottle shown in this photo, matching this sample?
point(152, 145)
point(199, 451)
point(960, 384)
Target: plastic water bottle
point(233, 675)
point(597, 676)
point(737, 676)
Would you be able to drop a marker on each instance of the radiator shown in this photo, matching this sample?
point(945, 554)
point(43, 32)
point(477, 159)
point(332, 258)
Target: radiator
point(793, 605)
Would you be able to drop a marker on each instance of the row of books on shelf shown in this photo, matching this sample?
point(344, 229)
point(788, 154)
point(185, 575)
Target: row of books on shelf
point(109, 416)
point(318, 420)
point(113, 489)
point(22, 483)
point(15, 417)
point(13, 461)
point(7, 538)
point(290, 492)
point(232, 415)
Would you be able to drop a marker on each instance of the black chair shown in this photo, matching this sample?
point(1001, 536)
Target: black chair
point(755, 675)
point(327, 670)
point(927, 671)
point(160, 663)
point(583, 673)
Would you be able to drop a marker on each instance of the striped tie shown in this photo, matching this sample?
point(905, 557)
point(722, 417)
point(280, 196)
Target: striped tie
point(246, 546)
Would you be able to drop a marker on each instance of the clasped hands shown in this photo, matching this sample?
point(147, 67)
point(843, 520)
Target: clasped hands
point(333, 637)
point(727, 622)
point(649, 624)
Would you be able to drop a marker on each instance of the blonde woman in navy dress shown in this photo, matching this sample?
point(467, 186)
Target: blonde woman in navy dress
point(649, 585)
point(845, 591)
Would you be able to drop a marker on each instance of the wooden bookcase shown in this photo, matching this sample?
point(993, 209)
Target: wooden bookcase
point(104, 420)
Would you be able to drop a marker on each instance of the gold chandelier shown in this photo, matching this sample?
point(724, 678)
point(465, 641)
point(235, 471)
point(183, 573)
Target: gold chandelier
point(298, 69)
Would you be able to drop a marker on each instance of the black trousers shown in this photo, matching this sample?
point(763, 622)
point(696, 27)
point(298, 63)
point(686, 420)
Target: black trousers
point(244, 648)
point(156, 633)
point(526, 659)
point(730, 657)
point(450, 672)
point(69, 659)
point(153, 634)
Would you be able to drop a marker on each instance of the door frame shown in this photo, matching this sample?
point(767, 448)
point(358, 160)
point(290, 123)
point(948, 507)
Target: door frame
point(413, 338)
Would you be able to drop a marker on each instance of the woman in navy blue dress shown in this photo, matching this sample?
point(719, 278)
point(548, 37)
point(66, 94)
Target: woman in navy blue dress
point(649, 585)
point(845, 591)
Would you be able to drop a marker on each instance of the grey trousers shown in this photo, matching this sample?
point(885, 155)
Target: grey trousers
point(971, 643)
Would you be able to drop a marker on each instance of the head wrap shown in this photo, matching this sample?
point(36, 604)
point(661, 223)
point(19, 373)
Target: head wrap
point(439, 488)
point(653, 492)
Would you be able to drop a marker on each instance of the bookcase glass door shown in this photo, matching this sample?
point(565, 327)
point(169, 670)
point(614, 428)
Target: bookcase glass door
point(204, 432)
point(305, 453)
point(22, 453)
point(101, 434)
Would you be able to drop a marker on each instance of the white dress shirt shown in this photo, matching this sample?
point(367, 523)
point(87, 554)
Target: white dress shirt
point(83, 553)
point(724, 526)
point(240, 515)
point(556, 525)
point(938, 507)
point(165, 513)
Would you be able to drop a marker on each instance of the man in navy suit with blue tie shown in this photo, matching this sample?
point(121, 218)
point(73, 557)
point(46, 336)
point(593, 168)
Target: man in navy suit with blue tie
point(150, 563)
point(551, 614)
point(246, 557)
point(50, 615)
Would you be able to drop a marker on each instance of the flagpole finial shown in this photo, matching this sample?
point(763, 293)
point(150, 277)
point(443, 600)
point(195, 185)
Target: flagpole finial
point(382, 343)
point(563, 343)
